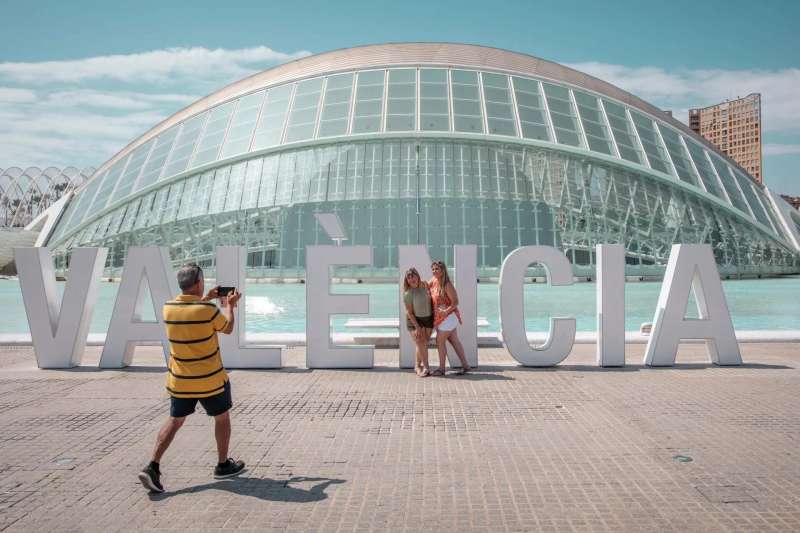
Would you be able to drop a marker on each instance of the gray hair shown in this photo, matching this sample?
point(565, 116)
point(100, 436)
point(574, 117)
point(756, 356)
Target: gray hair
point(188, 275)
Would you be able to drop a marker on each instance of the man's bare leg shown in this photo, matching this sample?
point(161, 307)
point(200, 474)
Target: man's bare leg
point(165, 436)
point(222, 432)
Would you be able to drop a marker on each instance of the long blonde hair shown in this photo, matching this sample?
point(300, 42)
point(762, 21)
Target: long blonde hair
point(445, 277)
point(413, 271)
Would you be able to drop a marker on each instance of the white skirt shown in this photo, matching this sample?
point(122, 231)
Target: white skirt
point(448, 324)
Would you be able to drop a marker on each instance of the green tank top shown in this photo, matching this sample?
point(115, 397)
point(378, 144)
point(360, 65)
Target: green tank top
point(419, 299)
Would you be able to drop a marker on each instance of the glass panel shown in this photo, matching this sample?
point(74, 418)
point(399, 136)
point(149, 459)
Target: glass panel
point(219, 190)
point(269, 179)
point(304, 169)
point(530, 109)
point(283, 195)
point(467, 111)
point(252, 181)
point(656, 154)
point(318, 188)
point(463, 170)
point(704, 168)
point(623, 132)
point(129, 178)
point(157, 210)
point(730, 187)
point(499, 114)
point(173, 202)
point(187, 203)
point(202, 194)
point(593, 124)
point(107, 186)
point(336, 106)
point(155, 162)
point(116, 219)
point(143, 217)
point(355, 172)
point(66, 219)
point(303, 117)
point(391, 169)
point(427, 172)
point(563, 115)
point(373, 158)
point(369, 102)
point(770, 210)
point(235, 187)
point(401, 113)
point(243, 123)
point(337, 173)
point(85, 199)
point(750, 195)
point(130, 216)
point(184, 146)
point(213, 135)
point(270, 126)
point(86, 234)
point(433, 104)
point(679, 156)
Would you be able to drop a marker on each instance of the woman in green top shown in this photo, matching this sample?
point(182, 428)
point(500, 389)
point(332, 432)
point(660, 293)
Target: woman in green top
point(419, 317)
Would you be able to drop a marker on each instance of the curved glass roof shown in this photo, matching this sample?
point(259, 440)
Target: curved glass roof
point(422, 101)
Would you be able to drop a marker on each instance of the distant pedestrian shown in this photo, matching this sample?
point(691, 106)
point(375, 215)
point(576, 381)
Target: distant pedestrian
point(195, 371)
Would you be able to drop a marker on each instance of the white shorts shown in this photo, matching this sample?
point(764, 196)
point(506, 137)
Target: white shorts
point(448, 324)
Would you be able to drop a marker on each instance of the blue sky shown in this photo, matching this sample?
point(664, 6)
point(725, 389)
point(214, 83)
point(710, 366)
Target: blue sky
point(78, 80)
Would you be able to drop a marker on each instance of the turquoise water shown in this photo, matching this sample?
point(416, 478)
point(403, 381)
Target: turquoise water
point(276, 308)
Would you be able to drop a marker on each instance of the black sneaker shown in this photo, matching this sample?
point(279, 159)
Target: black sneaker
point(228, 468)
point(150, 478)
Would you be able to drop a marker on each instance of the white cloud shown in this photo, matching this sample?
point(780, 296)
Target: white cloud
point(681, 89)
point(780, 149)
point(122, 100)
point(16, 96)
point(156, 66)
point(81, 112)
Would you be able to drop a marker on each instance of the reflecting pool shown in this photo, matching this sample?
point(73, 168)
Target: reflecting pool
point(759, 304)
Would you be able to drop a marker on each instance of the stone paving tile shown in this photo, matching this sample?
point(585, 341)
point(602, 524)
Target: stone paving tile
point(508, 449)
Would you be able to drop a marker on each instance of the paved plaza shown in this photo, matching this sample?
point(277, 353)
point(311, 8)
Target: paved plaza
point(695, 447)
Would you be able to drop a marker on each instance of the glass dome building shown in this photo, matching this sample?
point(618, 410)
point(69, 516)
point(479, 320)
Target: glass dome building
point(436, 144)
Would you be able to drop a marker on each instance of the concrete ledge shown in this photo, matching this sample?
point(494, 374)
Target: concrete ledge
point(390, 340)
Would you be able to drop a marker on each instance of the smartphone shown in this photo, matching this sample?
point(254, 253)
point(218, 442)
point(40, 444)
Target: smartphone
point(225, 291)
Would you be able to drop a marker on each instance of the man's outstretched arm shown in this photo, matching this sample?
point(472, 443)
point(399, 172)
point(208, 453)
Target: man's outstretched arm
point(227, 310)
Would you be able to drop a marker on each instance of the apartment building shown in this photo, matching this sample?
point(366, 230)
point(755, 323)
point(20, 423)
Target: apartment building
point(734, 126)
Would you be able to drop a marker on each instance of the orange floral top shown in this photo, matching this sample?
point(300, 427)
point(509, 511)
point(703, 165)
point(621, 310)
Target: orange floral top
point(441, 301)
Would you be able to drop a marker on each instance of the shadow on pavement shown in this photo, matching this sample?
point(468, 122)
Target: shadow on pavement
point(263, 489)
point(477, 374)
point(636, 367)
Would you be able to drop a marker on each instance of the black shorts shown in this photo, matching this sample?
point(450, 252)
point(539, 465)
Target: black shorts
point(214, 405)
point(424, 321)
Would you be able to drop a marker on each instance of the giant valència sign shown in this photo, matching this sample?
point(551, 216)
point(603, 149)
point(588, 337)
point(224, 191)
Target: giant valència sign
point(59, 328)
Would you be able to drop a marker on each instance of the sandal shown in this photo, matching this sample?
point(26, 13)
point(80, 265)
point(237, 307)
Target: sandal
point(438, 372)
point(425, 373)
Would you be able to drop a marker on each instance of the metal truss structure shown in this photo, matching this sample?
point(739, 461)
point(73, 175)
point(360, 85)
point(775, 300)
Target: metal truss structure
point(24, 194)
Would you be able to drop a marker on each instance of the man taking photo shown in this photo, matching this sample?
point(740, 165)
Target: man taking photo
point(195, 371)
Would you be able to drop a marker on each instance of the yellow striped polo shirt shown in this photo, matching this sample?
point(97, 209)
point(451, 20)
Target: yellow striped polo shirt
point(195, 366)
